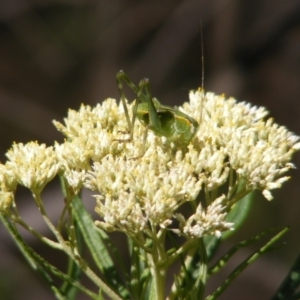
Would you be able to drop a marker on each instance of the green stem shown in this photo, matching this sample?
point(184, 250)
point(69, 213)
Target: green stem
point(194, 262)
point(202, 269)
point(158, 281)
point(184, 248)
point(50, 243)
point(157, 269)
point(75, 256)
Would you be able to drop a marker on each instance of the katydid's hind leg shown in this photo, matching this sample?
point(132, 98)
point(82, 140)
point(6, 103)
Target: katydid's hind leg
point(144, 141)
point(143, 146)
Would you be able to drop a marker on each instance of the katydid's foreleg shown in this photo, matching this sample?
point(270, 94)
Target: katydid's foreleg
point(144, 105)
point(144, 96)
point(154, 120)
point(121, 76)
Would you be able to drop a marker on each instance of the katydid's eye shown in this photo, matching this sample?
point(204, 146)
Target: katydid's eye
point(166, 117)
point(145, 118)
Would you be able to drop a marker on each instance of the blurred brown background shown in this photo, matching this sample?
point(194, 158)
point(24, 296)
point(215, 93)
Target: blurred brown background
point(56, 54)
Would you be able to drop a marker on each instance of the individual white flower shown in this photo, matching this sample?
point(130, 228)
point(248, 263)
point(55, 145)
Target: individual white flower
point(203, 222)
point(6, 200)
point(74, 158)
point(8, 183)
point(121, 215)
point(8, 180)
point(73, 154)
point(75, 179)
point(34, 165)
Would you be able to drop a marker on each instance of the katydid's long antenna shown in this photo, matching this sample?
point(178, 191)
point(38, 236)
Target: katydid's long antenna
point(202, 57)
point(202, 75)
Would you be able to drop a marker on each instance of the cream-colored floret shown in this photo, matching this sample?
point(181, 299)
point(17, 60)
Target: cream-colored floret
point(205, 222)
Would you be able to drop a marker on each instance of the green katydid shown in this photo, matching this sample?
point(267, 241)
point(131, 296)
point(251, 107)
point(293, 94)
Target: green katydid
point(163, 120)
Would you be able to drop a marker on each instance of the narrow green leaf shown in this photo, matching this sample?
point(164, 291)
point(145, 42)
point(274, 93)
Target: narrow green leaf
point(97, 247)
point(211, 243)
point(53, 270)
point(221, 262)
point(238, 214)
point(96, 241)
point(43, 267)
point(73, 272)
point(246, 262)
point(290, 284)
point(135, 272)
point(140, 276)
point(152, 294)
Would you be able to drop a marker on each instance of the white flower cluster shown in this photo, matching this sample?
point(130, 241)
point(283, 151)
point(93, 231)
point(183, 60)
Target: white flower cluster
point(258, 151)
point(141, 184)
point(32, 165)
